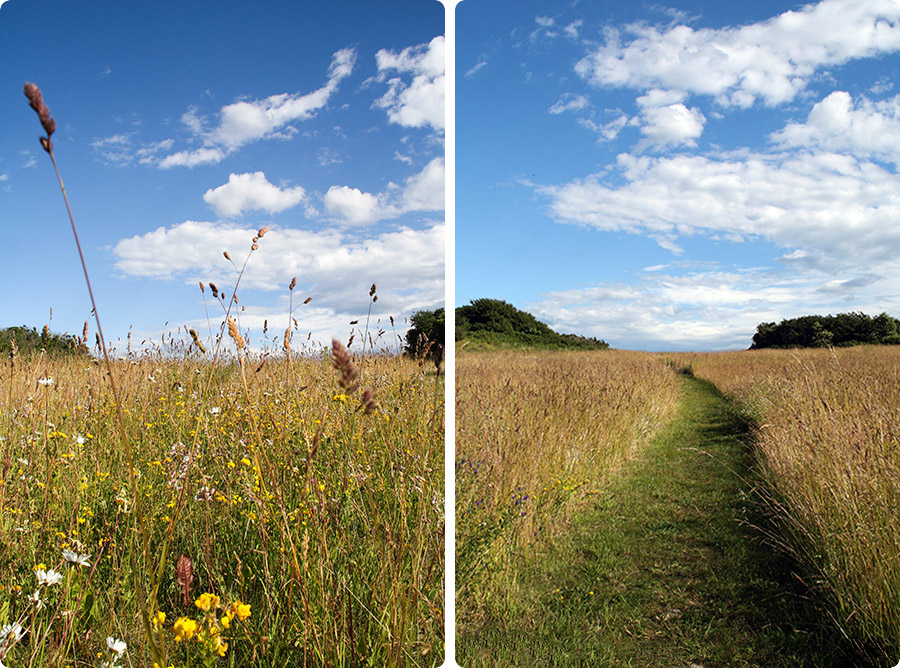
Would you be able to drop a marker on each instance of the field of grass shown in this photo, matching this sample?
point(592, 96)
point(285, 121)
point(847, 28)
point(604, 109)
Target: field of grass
point(269, 519)
point(828, 440)
point(537, 435)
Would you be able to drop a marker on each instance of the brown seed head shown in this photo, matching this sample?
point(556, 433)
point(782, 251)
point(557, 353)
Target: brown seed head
point(234, 333)
point(343, 362)
point(227, 256)
point(293, 283)
point(262, 231)
point(367, 402)
point(254, 247)
point(202, 288)
point(36, 100)
point(372, 290)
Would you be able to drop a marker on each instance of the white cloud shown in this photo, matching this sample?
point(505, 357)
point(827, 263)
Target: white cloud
point(571, 30)
point(421, 192)
point(770, 61)
point(334, 269)
point(569, 102)
point(606, 131)
point(251, 192)
point(866, 128)
point(420, 102)
point(476, 68)
point(842, 212)
point(672, 125)
point(711, 309)
point(354, 206)
point(243, 122)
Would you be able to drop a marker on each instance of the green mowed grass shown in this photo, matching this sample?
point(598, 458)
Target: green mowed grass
point(669, 568)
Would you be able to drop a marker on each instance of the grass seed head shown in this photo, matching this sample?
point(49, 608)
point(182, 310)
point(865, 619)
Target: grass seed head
point(343, 362)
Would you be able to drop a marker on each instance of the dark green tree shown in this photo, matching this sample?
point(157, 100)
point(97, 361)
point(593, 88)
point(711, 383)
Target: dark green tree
point(426, 335)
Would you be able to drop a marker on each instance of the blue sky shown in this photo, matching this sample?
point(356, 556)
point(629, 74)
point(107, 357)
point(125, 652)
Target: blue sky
point(183, 127)
point(667, 175)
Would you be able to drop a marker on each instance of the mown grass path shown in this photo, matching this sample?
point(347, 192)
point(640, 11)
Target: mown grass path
point(667, 568)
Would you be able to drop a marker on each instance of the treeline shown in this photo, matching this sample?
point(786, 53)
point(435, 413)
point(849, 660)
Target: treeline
point(496, 323)
point(26, 340)
point(490, 323)
point(818, 331)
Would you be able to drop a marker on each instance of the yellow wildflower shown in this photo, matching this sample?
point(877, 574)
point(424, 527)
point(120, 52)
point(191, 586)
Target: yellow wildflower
point(207, 601)
point(184, 628)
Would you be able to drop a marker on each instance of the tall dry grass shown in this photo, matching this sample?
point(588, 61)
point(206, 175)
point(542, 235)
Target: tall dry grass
point(829, 443)
point(536, 435)
point(331, 530)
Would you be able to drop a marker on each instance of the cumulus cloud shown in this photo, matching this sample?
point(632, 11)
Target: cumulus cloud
point(421, 192)
point(672, 125)
point(838, 210)
point(246, 121)
point(335, 269)
point(251, 192)
point(837, 123)
point(770, 61)
point(419, 102)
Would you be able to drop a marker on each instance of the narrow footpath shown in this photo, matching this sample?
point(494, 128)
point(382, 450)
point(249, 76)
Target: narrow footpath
point(668, 568)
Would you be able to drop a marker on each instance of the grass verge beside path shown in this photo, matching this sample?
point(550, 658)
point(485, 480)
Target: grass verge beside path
point(667, 570)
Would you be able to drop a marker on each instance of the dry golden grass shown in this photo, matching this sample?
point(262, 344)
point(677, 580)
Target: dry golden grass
point(536, 434)
point(829, 443)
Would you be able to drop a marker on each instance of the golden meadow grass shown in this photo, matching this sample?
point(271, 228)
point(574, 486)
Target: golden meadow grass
point(205, 505)
point(829, 443)
point(328, 522)
point(536, 435)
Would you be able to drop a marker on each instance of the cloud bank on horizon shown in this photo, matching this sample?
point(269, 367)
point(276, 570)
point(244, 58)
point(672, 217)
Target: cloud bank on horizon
point(773, 140)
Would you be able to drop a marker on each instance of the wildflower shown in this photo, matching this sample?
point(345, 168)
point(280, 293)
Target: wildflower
point(117, 646)
point(184, 628)
point(36, 599)
point(219, 645)
point(159, 618)
point(49, 577)
point(207, 601)
point(10, 634)
point(242, 610)
point(73, 558)
point(45, 381)
point(214, 410)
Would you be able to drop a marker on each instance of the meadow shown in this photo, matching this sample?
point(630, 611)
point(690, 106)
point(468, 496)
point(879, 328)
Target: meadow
point(737, 509)
point(278, 509)
point(537, 435)
point(827, 439)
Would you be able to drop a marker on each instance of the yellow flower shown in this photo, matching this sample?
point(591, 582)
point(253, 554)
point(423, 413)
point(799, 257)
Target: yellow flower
point(159, 618)
point(207, 601)
point(242, 610)
point(220, 645)
point(184, 628)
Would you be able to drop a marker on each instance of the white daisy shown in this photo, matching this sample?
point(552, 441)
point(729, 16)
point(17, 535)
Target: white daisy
point(117, 646)
point(73, 558)
point(48, 577)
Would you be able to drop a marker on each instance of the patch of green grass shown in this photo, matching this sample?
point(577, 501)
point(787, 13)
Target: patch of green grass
point(668, 569)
